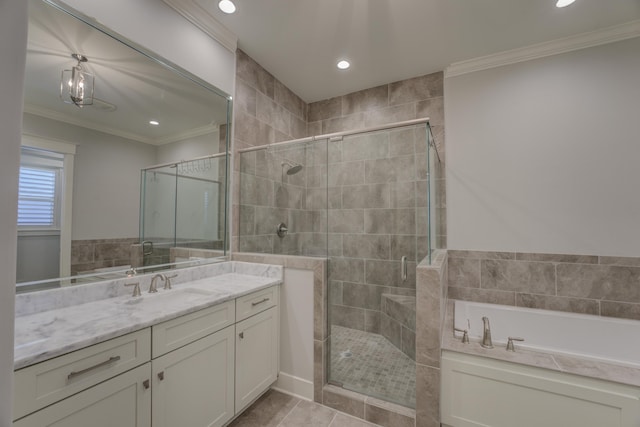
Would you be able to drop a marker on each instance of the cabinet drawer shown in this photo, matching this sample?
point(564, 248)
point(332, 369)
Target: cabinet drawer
point(175, 333)
point(42, 384)
point(256, 302)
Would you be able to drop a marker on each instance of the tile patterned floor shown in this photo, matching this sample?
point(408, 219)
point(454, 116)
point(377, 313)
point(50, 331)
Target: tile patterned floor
point(368, 363)
point(275, 409)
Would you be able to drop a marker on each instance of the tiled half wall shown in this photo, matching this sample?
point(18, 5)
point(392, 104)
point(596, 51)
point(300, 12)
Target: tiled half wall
point(599, 285)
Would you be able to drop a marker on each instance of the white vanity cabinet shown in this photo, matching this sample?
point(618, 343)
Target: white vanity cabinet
point(197, 370)
point(257, 345)
point(193, 385)
point(123, 401)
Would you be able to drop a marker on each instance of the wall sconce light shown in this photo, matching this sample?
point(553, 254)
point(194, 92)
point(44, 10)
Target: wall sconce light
point(76, 85)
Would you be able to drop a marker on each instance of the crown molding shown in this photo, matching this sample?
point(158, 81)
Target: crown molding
point(54, 115)
point(60, 117)
point(567, 44)
point(201, 18)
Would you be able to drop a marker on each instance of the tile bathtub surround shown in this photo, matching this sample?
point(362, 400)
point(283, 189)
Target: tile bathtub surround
point(431, 295)
point(87, 255)
point(589, 284)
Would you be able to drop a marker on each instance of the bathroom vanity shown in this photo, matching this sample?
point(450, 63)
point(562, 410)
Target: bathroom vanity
point(194, 355)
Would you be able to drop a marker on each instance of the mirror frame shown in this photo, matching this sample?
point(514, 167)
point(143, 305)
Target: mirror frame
point(163, 62)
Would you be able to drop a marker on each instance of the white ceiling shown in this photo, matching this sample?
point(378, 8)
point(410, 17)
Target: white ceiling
point(300, 41)
point(139, 88)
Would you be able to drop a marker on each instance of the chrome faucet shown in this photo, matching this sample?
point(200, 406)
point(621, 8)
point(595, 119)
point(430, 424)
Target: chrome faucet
point(486, 335)
point(153, 287)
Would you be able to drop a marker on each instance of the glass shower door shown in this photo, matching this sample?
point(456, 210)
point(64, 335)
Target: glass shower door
point(158, 219)
point(377, 225)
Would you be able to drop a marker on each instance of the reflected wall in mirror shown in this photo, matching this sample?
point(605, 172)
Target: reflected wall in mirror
point(85, 168)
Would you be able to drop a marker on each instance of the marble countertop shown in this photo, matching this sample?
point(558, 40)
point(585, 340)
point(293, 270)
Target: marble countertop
point(44, 335)
point(556, 362)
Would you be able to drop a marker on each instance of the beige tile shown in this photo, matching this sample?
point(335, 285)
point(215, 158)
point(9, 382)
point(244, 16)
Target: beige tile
point(314, 128)
point(344, 401)
point(289, 100)
point(428, 315)
point(480, 254)
point(390, 221)
point(341, 124)
point(523, 276)
point(582, 259)
point(366, 246)
point(252, 131)
point(349, 317)
point(308, 414)
point(346, 269)
point(245, 98)
point(395, 169)
point(365, 146)
point(398, 113)
point(268, 111)
point(620, 309)
point(427, 396)
point(464, 272)
point(342, 420)
point(612, 283)
point(326, 109)
point(546, 302)
point(416, 89)
point(626, 261)
point(268, 411)
point(253, 74)
point(366, 196)
point(483, 295)
point(362, 296)
point(432, 108)
point(320, 349)
point(388, 415)
point(365, 100)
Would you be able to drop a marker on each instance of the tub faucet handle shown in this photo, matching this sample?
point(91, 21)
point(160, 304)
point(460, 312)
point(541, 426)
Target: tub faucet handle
point(465, 335)
point(510, 346)
point(486, 335)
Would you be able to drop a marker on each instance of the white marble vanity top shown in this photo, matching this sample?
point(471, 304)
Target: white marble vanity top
point(43, 335)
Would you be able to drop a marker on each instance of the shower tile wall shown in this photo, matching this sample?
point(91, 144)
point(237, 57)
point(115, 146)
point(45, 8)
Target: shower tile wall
point(600, 285)
point(265, 111)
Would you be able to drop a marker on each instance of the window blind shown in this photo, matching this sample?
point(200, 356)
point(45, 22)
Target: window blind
point(37, 197)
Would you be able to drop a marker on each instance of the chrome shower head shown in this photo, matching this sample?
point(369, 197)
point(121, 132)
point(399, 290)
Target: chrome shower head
point(293, 168)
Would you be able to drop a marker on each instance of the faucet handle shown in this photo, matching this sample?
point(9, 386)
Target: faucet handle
point(510, 346)
point(465, 335)
point(136, 288)
point(167, 281)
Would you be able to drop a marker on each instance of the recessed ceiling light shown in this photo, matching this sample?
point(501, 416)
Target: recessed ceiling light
point(564, 3)
point(343, 65)
point(154, 122)
point(227, 6)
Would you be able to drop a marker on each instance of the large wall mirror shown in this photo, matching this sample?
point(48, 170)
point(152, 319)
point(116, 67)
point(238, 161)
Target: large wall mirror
point(124, 157)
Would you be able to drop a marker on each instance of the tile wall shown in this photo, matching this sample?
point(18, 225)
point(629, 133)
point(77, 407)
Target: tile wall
point(87, 255)
point(600, 285)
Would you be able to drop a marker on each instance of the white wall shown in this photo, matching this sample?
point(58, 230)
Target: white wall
point(106, 181)
point(13, 42)
point(157, 27)
point(199, 146)
point(544, 156)
point(296, 333)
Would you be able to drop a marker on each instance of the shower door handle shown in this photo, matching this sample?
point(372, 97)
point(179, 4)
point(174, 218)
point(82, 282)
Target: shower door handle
point(403, 268)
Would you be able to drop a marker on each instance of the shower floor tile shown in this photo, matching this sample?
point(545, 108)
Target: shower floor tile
point(368, 363)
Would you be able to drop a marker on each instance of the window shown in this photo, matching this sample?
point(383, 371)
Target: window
point(39, 192)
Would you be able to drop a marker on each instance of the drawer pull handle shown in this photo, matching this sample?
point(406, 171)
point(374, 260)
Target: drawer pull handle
point(241, 335)
point(253, 304)
point(161, 375)
point(146, 384)
point(99, 365)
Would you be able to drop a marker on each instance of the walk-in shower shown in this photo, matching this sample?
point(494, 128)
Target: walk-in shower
point(366, 201)
point(182, 206)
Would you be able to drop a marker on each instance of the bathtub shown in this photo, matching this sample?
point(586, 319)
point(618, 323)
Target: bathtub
point(593, 337)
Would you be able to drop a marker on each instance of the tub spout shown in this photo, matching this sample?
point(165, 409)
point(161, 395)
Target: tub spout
point(486, 335)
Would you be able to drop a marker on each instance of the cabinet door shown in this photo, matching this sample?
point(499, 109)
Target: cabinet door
point(123, 401)
point(256, 356)
point(193, 385)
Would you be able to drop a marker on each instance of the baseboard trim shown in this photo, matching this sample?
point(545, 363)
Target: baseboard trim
point(294, 386)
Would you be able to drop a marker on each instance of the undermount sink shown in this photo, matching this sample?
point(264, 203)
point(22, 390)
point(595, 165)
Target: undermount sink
point(161, 297)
